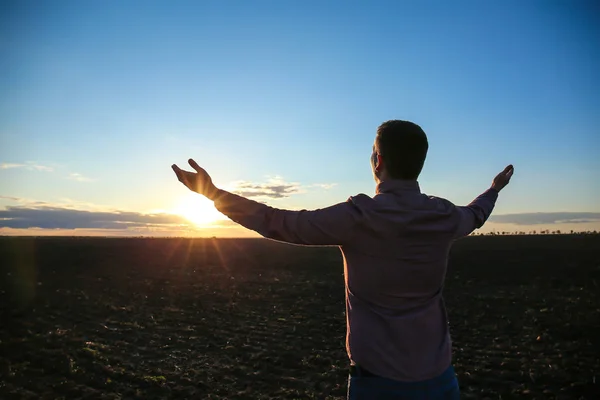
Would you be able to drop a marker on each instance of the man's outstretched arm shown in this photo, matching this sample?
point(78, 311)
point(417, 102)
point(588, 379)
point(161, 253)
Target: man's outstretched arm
point(329, 226)
point(474, 215)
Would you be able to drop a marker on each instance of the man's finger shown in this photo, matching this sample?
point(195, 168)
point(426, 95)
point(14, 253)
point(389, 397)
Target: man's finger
point(182, 175)
point(177, 171)
point(195, 165)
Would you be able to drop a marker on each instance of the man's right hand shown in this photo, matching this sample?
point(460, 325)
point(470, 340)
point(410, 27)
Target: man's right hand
point(503, 178)
point(199, 181)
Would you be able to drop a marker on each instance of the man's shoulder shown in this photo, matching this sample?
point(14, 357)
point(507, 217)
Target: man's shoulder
point(361, 200)
point(437, 198)
point(440, 203)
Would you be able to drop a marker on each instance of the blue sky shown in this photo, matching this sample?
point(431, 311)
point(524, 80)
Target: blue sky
point(98, 99)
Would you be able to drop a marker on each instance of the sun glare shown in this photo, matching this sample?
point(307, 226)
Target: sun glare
point(198, 210)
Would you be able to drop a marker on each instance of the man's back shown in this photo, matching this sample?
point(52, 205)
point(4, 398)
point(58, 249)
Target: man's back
point(395, 267)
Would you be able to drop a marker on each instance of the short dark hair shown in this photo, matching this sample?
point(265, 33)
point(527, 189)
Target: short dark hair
point(403, 147)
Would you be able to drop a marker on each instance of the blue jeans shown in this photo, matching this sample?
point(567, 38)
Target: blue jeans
point(443, 387)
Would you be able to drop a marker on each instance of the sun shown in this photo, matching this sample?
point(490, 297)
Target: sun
point(198, 210)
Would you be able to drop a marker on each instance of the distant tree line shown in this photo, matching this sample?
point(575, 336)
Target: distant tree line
point(535, 232)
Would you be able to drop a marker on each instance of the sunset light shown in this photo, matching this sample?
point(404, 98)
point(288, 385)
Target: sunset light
point(198, 210)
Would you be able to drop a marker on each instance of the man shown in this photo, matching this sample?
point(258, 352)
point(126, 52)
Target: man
point(395, 247)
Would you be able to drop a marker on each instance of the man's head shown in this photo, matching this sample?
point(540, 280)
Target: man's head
point(399, 151)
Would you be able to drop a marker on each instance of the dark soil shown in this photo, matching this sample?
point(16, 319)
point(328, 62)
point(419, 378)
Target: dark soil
point(255, 319)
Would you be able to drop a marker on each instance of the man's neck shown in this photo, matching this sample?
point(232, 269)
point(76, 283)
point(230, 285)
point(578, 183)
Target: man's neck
point(392, 185)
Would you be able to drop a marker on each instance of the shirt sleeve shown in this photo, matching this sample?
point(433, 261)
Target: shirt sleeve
point(329, 226)
point(474, 215)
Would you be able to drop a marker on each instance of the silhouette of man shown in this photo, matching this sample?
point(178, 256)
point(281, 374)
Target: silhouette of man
point(395, 247)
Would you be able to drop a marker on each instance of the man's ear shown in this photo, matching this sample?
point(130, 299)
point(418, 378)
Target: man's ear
point(379, 164)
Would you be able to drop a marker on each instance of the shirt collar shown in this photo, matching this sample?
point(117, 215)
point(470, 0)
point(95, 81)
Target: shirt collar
point(398, 185)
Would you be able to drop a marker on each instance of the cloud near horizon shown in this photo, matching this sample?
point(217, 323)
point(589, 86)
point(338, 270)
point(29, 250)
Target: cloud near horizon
point(51, 217)
point(542, 218)
point(64, 202)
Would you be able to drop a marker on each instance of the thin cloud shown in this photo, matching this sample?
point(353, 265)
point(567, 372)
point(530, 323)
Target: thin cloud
point(10, 166)
point(42, 168)
point(546, 218)
point(64, 203)
point(30, 165)
point(11, 198)
point(48, 217)
point(22, 201)
point(79, 178)
point(325, 186)
point(275, 188)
